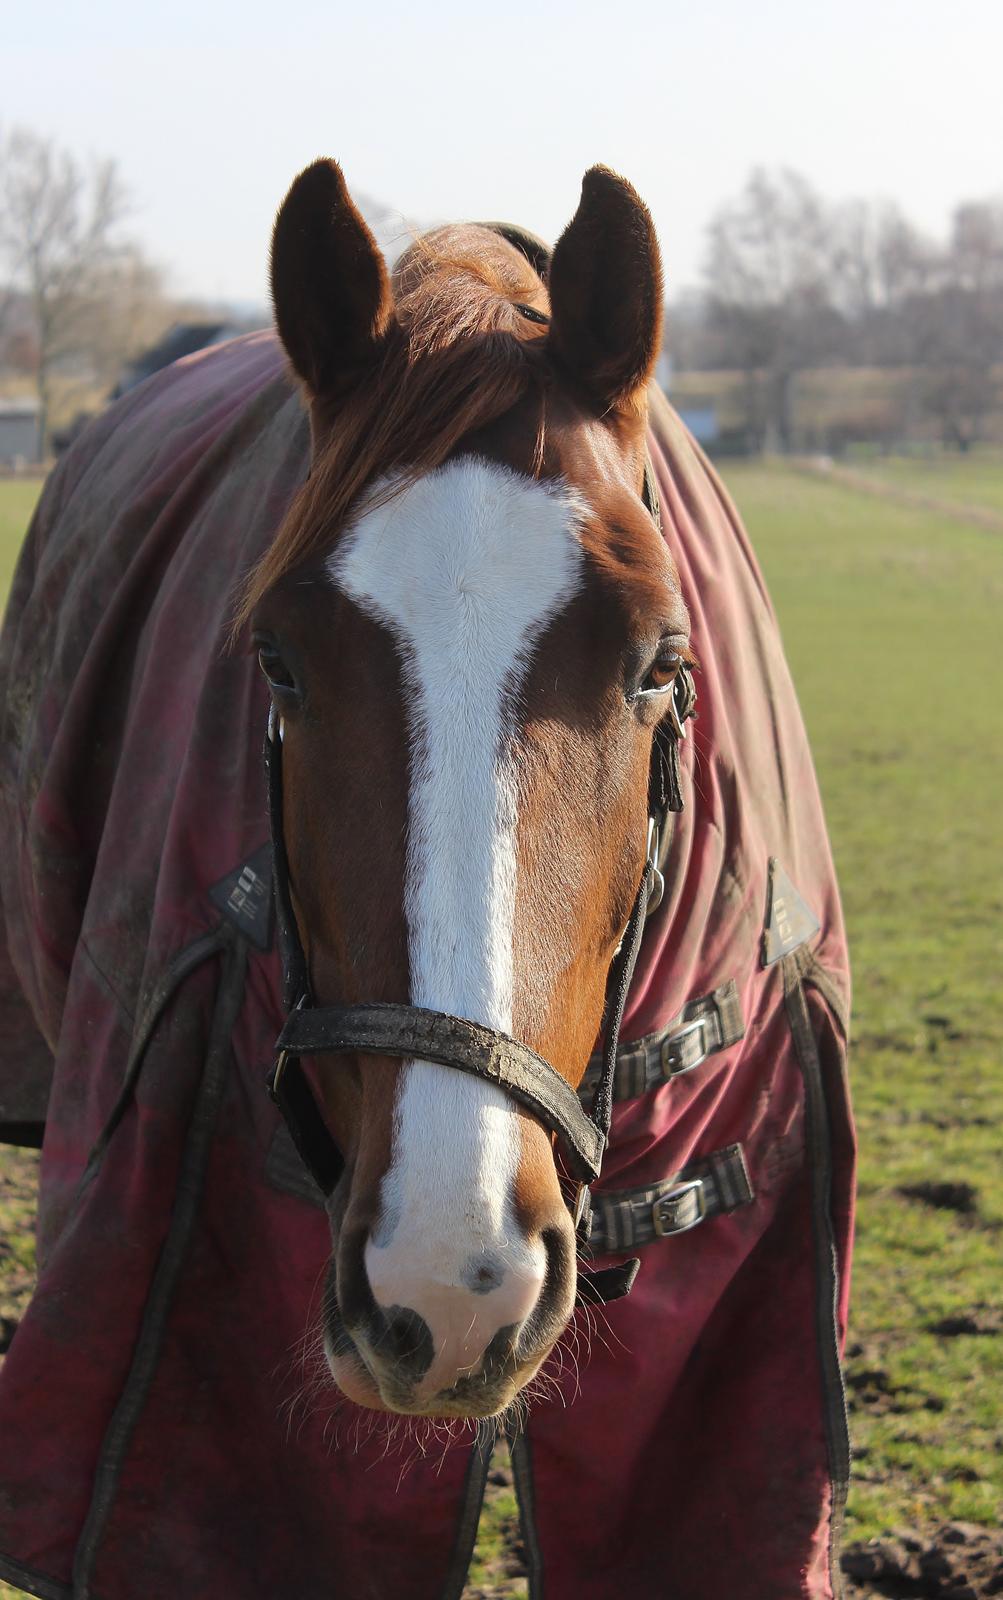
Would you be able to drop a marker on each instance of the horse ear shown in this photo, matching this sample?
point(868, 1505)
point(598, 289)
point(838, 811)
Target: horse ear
point(330, 286)
point(606, 291)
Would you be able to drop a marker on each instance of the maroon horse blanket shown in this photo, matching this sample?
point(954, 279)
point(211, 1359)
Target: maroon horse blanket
point(164, 1434)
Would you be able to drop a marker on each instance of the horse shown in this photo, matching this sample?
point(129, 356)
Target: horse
point(472, 614)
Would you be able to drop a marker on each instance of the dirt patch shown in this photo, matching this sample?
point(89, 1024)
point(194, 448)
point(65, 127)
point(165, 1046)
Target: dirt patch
point(984, 1321)
point(871, 1387)
point(960, 1197)
point(960, 1562)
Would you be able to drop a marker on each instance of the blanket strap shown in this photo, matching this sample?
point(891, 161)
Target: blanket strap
point(709, 1187)
point(702, 1028)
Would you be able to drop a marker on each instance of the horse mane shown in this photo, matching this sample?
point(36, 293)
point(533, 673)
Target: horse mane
point(460, 353)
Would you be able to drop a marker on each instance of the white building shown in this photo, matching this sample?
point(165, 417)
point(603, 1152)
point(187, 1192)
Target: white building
point(20, 432)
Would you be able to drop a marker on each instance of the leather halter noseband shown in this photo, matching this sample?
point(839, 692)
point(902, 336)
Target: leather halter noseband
point(413, 1033)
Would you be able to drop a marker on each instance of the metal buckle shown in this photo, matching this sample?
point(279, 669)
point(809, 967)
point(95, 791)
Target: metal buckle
point(277, 1071)
point(582, 1199)
point(661, 1216)
point(674, 1038)
point(656, 889)
point(678, 724)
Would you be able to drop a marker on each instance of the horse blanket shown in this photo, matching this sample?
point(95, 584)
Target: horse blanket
point(158, 1439)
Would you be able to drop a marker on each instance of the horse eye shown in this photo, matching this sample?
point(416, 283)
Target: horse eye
point(275, 669)
point(662, 673)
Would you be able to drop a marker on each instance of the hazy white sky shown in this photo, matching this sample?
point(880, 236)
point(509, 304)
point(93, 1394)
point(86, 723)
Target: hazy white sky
point(453, 109)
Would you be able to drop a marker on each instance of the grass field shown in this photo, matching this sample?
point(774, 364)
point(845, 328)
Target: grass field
point(975, 480)
point(17, 501)
point(891, 622)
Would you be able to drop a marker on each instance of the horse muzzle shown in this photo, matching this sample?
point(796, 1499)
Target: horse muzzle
point(402, 1338)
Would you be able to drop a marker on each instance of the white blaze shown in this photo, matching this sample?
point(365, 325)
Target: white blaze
point(465, 568)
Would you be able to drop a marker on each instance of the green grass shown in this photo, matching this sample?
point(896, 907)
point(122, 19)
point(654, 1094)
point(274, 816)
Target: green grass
point(975, 480)
point(891, 622)
point(17, 502)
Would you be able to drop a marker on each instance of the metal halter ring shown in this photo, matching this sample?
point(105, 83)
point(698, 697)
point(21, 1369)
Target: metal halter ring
point(657, 886)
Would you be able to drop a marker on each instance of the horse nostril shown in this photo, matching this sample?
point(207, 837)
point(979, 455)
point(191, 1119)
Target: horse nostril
point(498, 1356)
point(407, 1339)
point(556, 1298)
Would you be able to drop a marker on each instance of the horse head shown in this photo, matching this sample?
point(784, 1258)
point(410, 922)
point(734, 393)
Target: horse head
point(471, 627)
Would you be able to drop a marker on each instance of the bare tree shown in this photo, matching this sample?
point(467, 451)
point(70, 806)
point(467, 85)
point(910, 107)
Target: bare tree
point(57, 237)
point(880, 264)
point(768, 274)
point(794, 282)
point(959, 325)
point(125, 310)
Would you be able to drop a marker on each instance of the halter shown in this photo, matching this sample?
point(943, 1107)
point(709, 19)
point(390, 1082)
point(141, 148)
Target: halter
point(411, 1032)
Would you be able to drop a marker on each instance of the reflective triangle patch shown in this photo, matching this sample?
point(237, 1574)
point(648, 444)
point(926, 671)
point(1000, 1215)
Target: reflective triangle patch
point(790, 922)
point(245, 897)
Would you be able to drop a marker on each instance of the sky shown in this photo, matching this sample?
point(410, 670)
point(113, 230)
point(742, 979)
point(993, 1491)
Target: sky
point(448, 109)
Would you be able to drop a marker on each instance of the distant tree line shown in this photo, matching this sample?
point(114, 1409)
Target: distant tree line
point(794, 282)
point(78, 298)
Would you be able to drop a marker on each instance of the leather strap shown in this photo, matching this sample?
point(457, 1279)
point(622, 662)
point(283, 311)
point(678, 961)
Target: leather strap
point(410, 1031)
point(295, 974)
point(290, 1089)
point(617, 989)
point(702, 1028)
point(604, 1284)
point(709, 1187)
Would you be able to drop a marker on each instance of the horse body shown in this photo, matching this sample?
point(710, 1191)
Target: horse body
point(180, 1245)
